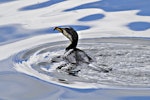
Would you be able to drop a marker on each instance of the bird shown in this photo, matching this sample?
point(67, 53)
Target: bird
point(73, 54)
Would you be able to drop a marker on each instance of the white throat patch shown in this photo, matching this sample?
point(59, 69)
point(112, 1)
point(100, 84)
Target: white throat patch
point(67, 35)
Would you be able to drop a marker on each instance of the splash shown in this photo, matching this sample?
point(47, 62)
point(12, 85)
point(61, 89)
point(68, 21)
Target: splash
point(128, 59)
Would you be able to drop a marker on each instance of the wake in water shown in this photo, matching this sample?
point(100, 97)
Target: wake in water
point(127, 62)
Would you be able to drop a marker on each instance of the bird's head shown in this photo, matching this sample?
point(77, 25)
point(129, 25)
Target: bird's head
point(70, 33)
point(58, 29)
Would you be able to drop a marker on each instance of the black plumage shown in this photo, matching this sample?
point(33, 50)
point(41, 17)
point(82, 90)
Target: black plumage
point(73, 54)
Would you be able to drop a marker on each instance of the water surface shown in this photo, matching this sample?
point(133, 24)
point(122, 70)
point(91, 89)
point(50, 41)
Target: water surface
point(129, 78)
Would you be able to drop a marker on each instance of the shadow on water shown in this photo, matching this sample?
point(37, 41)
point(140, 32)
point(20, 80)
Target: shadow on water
point(139, 26)
point(41, 5)
point(6, 1)
point(92, 17)
point(10, 33)
point(115, 5)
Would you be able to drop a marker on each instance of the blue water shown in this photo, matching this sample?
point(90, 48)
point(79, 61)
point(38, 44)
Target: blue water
point(18, 86)
point(5, 1)
point(115, 5)
point(10, 33)
point(41, 5)
point(92, 17)
point(139, 26)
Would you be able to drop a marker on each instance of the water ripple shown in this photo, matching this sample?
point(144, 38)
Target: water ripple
point(128, 58)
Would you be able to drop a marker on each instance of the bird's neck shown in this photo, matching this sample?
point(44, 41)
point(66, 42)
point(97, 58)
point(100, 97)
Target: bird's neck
point(73, 45)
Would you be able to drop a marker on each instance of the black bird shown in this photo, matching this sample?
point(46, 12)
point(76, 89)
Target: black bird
point(71, 34)
point(73, 54)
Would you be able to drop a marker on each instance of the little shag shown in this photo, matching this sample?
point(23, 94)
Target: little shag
point(73, 55)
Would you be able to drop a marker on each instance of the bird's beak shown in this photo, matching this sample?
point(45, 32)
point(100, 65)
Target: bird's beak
point(58, 29)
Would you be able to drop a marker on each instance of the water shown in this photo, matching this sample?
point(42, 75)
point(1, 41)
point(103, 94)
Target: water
point(26, 70)
point(30, 74)
point(128, 59)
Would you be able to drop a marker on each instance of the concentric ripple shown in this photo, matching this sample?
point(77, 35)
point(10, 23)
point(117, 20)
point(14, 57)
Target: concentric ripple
point(129, 59)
